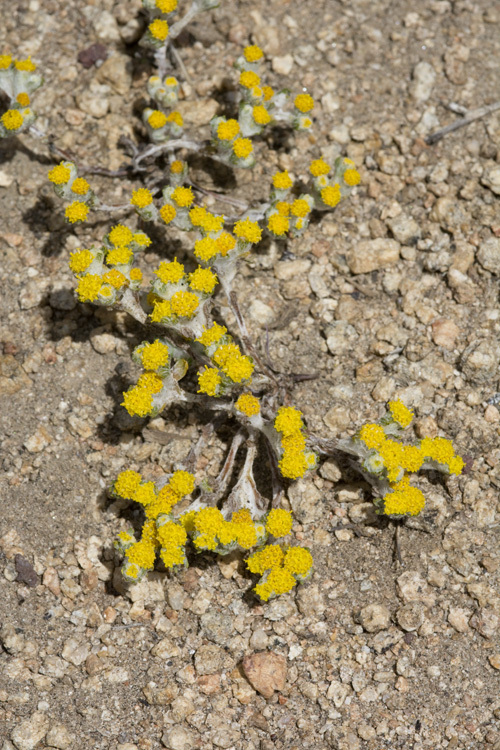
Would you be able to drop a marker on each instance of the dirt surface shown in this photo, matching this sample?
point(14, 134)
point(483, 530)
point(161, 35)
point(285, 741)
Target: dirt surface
point(87, 663)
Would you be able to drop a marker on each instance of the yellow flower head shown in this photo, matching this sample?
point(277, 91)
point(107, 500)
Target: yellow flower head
point(242, 147)
point(170, 273)
point(155, 355)
point(177, 166)
point(184, 304)
point(166, 6)
point(172, 556)
point(283, 208)
point(205, 249)
point(80, 186)
point(249, 79)
point(209, 381)
point(136, 274)
point(225, 242)
point(158, 29)
point(279, 522)
point(141, 239)
point(288, 420)
point(293, 465)
point(252, 53)
point(76, 211)
point(203, 280)
point(127, 483)
point(141, 198)
point(412, 458)
point(318, 168)
point(163, 503)
point(145, 493)
point(404, 500)
point(25, 65)
point(119, 256)
point(177, 118)
point(268, 93)
point(248, 404)
point(246, 535)
point(138, 402)
point(279, 581)
point(372, 435)
point(5, 62)
point(151, 382)
point(183, 196)
point(171, 534)
point(331, 195)
point(168, 213)
point(352, 177)
point(298, 561)
point(23, 99)
point(248, 230)
point(80, 261)
point(304, 103)
point(212, 335)
point(141, 554)
point(278, 225)
point(266, 558)
point(120, 235)
point(400, 413)
point(294, 443)
point(115, 278)
point(161, 309)
point(59, 175)
point(88, 287)
point(260, 115)
point(300, 208)
point(238, 368)
point(228, 130)
point(157, 119)
point(182, 483)
point(208, 521)
point(282, 180)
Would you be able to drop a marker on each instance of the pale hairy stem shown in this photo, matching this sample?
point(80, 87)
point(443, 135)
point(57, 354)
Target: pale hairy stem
point(130, 303)
point(180, 25)
point(277, 484)
point(224, 477)
point(169, 146)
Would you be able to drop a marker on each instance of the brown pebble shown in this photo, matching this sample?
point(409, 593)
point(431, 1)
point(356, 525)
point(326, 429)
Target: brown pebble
point(110, 615)
point(265, 671)
point(51, 581)
point(25, 572)
point(209, 683)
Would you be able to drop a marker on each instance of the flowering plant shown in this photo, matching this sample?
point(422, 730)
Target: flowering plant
point(189, 346)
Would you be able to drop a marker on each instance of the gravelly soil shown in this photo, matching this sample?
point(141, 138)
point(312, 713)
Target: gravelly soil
point(86, 663)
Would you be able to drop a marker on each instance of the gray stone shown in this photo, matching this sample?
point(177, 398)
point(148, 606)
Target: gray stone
point(178, 738)
point(411, 616)
point(374, 617)
point(488, 254)
point(423, 76)
point(491, 180)
point(404, 229)
point(30, 732)
point(370, 255)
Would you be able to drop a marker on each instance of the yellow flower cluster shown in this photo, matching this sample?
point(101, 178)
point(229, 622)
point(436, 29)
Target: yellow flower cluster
point(248, 405)
point(232, 365)
point(295, 459)
point(394, 460)
point(154, 356)
point(160, 531)
point(280, 570)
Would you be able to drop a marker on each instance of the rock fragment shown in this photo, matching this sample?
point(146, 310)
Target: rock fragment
point(266, 672)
